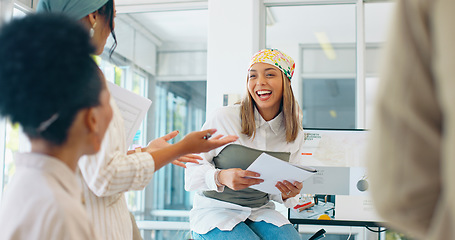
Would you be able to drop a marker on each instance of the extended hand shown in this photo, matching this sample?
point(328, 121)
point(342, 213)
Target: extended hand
point(238, 179)
point(186, 159)
point(162, 142)
point(289, 190)
point(197, 142)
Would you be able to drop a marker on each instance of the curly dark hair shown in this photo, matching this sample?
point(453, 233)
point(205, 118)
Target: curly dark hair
point(47, 70)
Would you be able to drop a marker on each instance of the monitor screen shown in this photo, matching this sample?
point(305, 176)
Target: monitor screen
point(339, 190)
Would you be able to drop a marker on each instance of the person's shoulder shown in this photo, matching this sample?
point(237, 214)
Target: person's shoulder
point(38, 211)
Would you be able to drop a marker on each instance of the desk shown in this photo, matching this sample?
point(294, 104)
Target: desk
point(366, 224)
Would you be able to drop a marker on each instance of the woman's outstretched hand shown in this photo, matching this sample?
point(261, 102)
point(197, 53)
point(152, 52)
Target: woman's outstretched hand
point(186, 159)
point(160, 142)
point(163, 142)
point(195, 142)
point(204, 141)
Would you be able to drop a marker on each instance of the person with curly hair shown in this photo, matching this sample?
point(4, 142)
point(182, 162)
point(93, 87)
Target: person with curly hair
point(59, 97)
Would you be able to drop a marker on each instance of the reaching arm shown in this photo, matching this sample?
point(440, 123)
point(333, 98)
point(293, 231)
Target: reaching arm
point(163, 142)
point(111, 171)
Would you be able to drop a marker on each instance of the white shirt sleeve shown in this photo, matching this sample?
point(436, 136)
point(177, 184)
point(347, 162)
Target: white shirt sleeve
point(202, 176)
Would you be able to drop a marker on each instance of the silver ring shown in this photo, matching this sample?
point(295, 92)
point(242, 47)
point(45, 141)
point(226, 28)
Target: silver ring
point(288, 193)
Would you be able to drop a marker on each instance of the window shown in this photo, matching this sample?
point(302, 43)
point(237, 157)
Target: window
point(322, 41)
point(326, 81)
point(176, 112)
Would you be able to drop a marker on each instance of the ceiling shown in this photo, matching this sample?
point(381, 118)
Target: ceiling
point(171, 23)
point(189, 27)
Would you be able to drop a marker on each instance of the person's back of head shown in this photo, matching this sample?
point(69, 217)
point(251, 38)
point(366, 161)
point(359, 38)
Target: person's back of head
point(88, 12)
point(47, 74)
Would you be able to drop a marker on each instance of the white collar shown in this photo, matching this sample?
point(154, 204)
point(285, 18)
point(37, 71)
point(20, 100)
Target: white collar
point(276, 124)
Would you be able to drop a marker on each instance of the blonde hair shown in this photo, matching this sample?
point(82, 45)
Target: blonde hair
point(289, 107)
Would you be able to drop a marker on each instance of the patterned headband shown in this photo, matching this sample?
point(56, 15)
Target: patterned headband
point(276, 58)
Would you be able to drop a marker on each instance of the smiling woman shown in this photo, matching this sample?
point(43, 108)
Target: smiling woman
point(268, 120)
point(268, 61)
point(265, 85)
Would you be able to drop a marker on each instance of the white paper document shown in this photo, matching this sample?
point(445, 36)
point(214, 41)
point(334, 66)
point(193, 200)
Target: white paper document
point(133, 108)
point(273, 170)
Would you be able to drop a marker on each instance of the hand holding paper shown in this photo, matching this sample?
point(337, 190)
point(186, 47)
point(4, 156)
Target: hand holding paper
point(288, 189)
point(274, 170)
point(238, 179)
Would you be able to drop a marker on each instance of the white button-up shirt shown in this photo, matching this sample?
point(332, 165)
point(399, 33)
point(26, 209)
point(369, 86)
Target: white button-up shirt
point(208, 213)
point(43, 201)
point(107, 175)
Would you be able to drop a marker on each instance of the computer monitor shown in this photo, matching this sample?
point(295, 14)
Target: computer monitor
point(338, 193)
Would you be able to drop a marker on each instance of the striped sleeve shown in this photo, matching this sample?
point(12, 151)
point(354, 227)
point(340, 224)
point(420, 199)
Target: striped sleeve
point(111, 170)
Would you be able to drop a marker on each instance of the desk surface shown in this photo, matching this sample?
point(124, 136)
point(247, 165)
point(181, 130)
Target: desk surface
point(334, 222)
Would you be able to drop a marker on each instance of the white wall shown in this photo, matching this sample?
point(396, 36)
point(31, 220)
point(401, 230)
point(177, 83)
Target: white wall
point(233, 35)
point(145, 53)
point(134, 45)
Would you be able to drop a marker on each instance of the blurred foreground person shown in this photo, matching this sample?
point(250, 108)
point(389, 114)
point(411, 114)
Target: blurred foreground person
point(51, 86)
point(412, 153)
